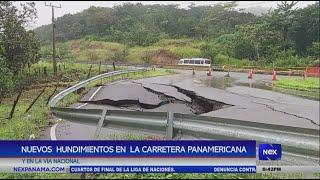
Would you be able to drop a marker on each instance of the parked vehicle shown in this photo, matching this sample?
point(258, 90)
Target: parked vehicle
point(195, 62)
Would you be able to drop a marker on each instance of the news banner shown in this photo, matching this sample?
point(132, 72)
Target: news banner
point(205, 156)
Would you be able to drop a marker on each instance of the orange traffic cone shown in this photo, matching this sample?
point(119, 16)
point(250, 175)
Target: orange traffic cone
point(250, 74)
point(274, 75)
point(290, 72)
point(209, 73)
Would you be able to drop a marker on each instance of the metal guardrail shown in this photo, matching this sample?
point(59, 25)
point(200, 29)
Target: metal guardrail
point(295, 140)
point(62, 94)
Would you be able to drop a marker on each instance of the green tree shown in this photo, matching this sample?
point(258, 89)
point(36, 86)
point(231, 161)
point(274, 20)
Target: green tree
point(18, 46)
point(222, 19)
point(6, 80)
point(314, 50)
point(281, 19)
point(226, 44)
point(209, 50)
point(305, 28)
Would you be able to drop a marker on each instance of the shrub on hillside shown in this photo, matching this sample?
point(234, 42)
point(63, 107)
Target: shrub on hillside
point(6, 80)
point(288, 59)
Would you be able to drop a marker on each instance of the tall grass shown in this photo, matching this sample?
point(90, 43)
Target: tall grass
point(309, 84)
point(225, 60)
point(85, 50)
point(22, 125)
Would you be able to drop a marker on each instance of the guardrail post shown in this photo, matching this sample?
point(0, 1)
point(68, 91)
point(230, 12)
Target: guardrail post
point(169, 129)
point(100, 123)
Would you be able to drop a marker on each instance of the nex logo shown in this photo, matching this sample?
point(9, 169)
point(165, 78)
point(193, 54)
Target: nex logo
point(269, 151)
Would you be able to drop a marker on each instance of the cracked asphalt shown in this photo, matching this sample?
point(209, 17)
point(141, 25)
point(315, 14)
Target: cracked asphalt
point(250, 100)
point(248, 103)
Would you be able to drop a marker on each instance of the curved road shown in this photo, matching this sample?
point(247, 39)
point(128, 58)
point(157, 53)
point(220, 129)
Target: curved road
point(248, 103)
point(251, 100)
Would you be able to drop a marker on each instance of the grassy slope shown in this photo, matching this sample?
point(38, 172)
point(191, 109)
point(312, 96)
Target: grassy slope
point(308, 88)
point(86, 50)
point(93, 50)
point(22, 125)
point(309, 84)
point(165, 51)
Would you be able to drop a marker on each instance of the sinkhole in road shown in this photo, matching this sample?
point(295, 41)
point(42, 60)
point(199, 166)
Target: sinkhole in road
point(151, 97)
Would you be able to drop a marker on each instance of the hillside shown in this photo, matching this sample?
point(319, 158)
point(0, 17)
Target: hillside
point(137, 24)
point(136, 33)
point(166, 51)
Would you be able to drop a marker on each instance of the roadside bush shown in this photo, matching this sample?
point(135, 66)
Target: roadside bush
point(174, 42)
point(186, 52)
point(315, 63)
point(6, 80)
point(221, 59)
point(209, 50)
point(287, 59)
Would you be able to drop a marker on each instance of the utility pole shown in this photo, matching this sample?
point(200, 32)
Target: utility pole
point(53, 39)
point(228, 75)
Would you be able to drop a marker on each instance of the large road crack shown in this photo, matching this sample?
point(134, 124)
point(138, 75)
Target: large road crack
point(165, 96)
point(198, 103)
point(301, 117)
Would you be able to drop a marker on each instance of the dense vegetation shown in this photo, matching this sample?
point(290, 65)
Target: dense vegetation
point(285, 36)
point(19, 48)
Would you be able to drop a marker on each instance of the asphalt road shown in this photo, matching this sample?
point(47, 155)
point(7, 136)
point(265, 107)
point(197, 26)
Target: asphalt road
point(249, 99)
point(247, 103)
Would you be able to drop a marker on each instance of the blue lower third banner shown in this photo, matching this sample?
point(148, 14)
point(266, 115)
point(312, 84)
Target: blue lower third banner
point(185, 156)
point(163, 169)
point(183, 148)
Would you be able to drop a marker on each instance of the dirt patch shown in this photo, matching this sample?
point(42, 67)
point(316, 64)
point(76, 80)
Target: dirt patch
point(75, 46)
point(95, 46)
point(162, 56)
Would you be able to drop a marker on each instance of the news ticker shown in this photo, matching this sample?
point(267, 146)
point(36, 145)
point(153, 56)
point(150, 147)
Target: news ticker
point(205, 156)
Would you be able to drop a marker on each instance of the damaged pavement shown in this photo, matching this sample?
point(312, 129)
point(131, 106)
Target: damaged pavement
point(187, 94)
point(184, 93)
point(133, 95)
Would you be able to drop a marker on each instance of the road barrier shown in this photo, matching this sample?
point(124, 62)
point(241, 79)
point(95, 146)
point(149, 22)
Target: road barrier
point(296, 140)
point(313, 71)
point(81, 84)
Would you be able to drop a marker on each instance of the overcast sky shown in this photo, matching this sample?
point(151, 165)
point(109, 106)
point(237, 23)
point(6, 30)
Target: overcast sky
point(44, 12)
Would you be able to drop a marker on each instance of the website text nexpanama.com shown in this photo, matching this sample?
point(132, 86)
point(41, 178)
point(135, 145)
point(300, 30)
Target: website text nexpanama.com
point(38, 169)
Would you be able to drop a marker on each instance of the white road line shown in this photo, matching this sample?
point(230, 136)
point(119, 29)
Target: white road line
point(53, 132)
point(53, 128)
point(81, 105)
